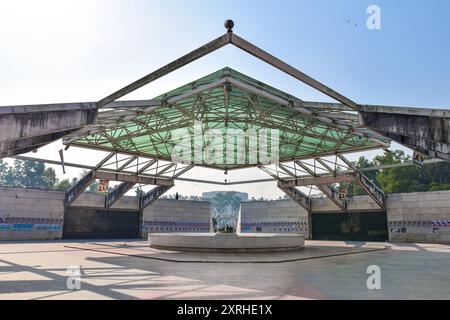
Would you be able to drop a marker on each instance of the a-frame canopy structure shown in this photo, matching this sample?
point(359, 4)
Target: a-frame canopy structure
point(226, 103)
point(164, 137)
point(180, 123)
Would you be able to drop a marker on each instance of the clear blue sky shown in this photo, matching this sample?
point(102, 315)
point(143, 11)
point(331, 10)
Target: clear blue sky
point(67, 51)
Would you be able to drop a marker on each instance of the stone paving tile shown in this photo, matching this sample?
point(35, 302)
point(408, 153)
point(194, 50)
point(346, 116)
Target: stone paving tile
point(38, 270)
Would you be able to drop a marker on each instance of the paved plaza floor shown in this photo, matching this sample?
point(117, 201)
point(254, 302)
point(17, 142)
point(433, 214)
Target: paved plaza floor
point(130, 269)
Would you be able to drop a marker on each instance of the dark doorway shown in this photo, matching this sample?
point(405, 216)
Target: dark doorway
point(88, 223)
point(350, 226)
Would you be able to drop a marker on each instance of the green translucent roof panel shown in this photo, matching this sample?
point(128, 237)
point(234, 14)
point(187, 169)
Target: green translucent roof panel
point(225, 120)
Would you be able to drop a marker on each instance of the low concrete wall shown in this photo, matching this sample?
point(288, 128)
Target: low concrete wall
point(30, 214)
point(412, 217)
point(286, 216)
point(281, 216)
point(163, 215)
point(419, 217)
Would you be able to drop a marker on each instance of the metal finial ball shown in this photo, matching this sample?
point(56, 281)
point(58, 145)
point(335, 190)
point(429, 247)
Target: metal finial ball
point(229, 24)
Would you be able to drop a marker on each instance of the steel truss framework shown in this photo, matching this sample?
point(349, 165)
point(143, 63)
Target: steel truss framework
point(228, 100)
point(322, 174)
point(130, 170)
point(225, 100)
point(146, 131)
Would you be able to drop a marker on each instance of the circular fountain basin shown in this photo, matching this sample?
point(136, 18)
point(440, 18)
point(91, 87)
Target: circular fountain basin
point(222, 242)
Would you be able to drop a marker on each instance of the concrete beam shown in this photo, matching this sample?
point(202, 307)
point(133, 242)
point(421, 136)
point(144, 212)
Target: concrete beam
point(436, 129)
point(333, 195)
point(298, 196)
point(332, 106)
point(426, 130)
point(24, 145)
point(429, 148)
point(369, 186)
point(153, 195)
point(404, 110)
point(114, 176)
point(427, 134)
point(73, 193)
point(113, 196)
point(28, 127)
point(318, 180)
point(372, 190)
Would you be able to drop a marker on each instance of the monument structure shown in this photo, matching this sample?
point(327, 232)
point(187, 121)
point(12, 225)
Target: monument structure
point(226, 121)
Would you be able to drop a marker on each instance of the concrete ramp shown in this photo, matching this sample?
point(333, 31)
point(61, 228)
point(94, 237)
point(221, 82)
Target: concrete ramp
point(26, 128)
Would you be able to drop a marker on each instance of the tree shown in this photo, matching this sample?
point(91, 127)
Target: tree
point(6, 174)
point(363, 162)
point(402, 179)
point(429, 177)
point(93, 187)
point(65, 184)
point(28, 174)
point(436, 173)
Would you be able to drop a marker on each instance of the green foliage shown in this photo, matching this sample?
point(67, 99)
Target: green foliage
point(93, 188)
point(65, 184)
point(434, 186)
point(431, 177)
point(27, 174)
point(363, 162)
point(5, 173)
point(402, 179)
point(32, 174)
